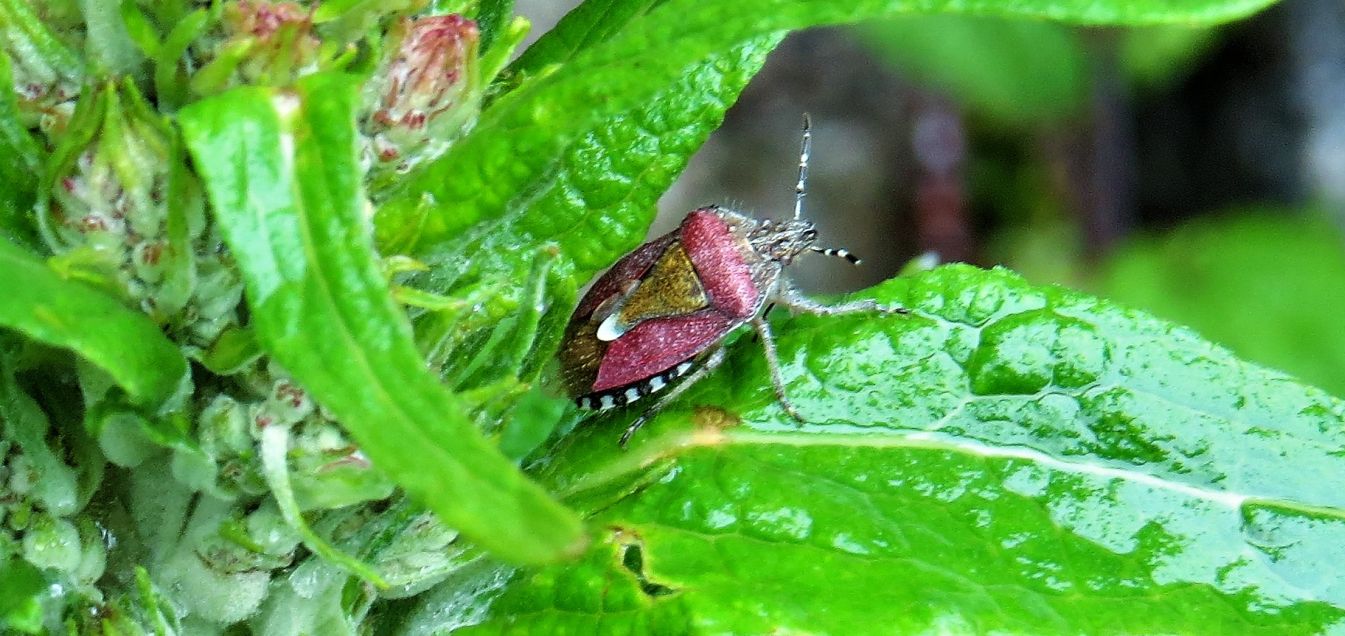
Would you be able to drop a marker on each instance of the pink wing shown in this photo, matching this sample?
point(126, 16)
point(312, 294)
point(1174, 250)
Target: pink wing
point(717, 255)
point(658, 344)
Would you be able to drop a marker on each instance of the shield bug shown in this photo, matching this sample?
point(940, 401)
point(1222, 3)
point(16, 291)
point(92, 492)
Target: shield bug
point(655, 323)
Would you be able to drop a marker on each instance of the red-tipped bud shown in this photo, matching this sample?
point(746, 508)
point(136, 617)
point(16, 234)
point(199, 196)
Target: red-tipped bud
point(425, 93)
point(261, 43)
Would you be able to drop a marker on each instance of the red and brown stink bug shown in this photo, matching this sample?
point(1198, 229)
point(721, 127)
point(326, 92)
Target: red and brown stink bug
point(658, 317)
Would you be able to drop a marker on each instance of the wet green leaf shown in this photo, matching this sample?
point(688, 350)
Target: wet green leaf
point(64, 313)
point(1008, 458)
point(1268, 285)
point(281, 171)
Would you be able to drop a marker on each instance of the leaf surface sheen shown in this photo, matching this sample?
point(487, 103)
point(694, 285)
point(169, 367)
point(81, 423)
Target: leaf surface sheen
point(1009, 458)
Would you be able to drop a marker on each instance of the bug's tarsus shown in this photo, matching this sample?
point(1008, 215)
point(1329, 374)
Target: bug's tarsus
point(714, 360)
point(763, 329)
point(838, 252)
point(634, 426)
point(801, 187)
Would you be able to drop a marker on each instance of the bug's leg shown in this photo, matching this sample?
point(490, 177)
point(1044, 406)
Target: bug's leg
point(773, 363)
point(709, 365)
point(791, 297)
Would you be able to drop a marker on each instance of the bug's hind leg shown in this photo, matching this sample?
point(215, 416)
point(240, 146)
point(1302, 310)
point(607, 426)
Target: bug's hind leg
point(791, 297)
point(706, 367)
point(773, 363)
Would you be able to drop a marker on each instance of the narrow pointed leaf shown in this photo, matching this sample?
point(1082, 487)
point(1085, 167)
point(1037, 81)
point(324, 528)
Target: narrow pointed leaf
point(281, 171)
point(125, 343)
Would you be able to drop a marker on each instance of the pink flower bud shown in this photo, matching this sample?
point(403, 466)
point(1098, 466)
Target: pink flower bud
point(425, 93)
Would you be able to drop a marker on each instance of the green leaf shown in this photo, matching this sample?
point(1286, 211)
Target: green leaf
point(1017, 71)
point(282, 175)
point(493, 17)
point(63, 313)
point(1269, 285)
point(584, 151)
point(1008, 458)
point(589, 24)
point(562, 139)
point(20, 162)
point(1158, 55)
point(20, 587)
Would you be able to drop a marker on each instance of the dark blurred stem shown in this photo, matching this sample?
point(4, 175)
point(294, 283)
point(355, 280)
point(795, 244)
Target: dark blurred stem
point(1104, 176)
point(938, 141)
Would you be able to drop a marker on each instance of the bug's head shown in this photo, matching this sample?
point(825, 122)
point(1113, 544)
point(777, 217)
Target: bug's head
point(781, 241)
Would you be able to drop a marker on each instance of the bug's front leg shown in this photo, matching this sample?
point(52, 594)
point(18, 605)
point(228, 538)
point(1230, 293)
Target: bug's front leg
point(790, 296)
point(773, 363)
point(709, 365)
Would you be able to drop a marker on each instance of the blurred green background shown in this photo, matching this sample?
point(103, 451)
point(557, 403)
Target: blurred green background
point(1198, 174)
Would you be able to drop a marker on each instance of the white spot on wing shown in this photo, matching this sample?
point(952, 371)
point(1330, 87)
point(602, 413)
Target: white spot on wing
point(609, 330)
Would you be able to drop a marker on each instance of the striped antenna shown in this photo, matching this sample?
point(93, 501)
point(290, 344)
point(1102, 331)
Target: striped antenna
point(801, 188)
point(839, 253)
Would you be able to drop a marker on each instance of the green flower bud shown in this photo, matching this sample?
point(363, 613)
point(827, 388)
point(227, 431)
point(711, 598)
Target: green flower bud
point(226, 439)
point(19, 516)
point(53, 543)
point(262, 541)
point(47, 73)
point(259, 43)
point(22, 474)
point(219, 291)
point(93, 557)
point(422, 554)
point(268, 529)
point(426, 91)
point(105, 209)
point(121, 209)
point(327, 470)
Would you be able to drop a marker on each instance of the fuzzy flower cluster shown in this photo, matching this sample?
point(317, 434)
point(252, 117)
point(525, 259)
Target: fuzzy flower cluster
point(250, 505)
